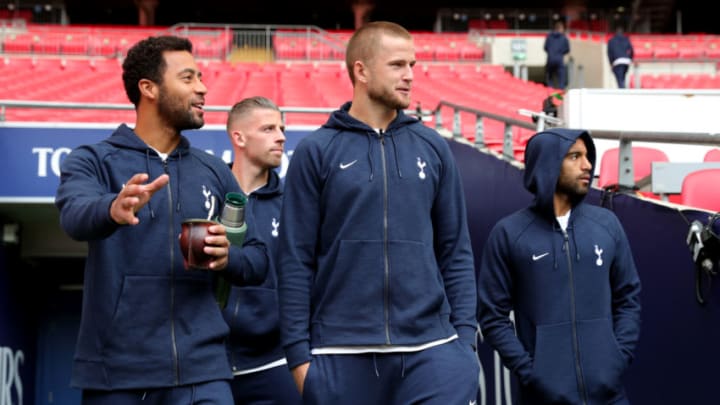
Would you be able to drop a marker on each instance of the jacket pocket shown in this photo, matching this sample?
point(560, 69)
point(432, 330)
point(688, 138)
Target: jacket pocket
point(415, 281)
point(353, 286)
point(554, 376)
point(141, 319)
point(253, 316)
point(602, 362)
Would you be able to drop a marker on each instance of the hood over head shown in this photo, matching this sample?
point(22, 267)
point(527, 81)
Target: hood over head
point(544, 154)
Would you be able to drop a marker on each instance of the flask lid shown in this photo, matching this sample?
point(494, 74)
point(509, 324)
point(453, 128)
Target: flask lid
point(233, 213)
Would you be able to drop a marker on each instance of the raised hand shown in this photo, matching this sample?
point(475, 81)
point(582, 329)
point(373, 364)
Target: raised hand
point(134, 196)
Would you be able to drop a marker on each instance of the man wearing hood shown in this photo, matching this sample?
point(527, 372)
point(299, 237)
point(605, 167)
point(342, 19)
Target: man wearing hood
point(151, 331)
point(566, 272)
point(376, 276)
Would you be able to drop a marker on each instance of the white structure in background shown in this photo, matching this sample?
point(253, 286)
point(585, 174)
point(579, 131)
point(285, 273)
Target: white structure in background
point(674, 115)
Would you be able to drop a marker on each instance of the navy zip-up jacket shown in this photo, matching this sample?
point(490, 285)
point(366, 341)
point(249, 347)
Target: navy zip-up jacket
point(556, 46)
point(148, 322)
point(619, 46)
point(252, 311)
point(374, 247)
point(575, 294)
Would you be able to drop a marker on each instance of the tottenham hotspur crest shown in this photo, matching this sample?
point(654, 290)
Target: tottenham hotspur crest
point(275, 225)
point(421, 165)
point(598, 252)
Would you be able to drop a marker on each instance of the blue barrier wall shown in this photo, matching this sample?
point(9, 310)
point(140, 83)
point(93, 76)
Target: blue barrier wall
point(678, 348)
point(17, 336)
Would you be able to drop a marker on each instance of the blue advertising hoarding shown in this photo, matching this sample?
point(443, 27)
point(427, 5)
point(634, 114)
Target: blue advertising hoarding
point(32, 154)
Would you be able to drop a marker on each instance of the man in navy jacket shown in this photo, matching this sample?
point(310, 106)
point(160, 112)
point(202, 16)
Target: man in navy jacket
point(565, 270)
point(620, 54)
point(556, 47)
point(256, 132)
point(376, 275)
point(151, 331)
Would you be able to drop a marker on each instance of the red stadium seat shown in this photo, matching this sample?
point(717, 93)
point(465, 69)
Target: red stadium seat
point(643, 52)
point(665, 52)
point(712, 155)
point(642, 164)
point(699, 189)
point(18, 44)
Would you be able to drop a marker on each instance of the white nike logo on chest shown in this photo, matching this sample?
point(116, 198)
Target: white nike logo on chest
point(538, 257)
point(344, 166)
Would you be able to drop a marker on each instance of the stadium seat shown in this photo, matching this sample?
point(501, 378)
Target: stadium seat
point(18, 44)
point(642, 164)
point(642, 50)
point(665, 52)
point(699, 189)
point(712, 155)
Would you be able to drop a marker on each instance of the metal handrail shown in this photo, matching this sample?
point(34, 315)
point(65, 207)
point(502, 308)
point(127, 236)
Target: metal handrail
point(626, 180)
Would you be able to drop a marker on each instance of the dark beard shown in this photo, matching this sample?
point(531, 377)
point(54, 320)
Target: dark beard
point(172, 112)
point(572, 189)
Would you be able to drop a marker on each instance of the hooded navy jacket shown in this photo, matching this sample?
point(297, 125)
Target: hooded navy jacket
point(619, 46)
point(252, 311)
point(556, 46)
point(575, 294)
point(148, 322)
point(374, 248)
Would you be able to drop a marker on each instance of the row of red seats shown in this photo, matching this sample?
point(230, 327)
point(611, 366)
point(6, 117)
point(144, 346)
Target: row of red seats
point(295, 45)
point(679, 81)
point(289, 46)
point(667, 47)
point(105, 45)
point(486, 87)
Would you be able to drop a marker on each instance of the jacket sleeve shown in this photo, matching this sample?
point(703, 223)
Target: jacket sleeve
point(453, 251)
point(495, 301)
point(248, 264)
point(81, 198)
point(625, 284)
point(249, 261)
point(296, 251)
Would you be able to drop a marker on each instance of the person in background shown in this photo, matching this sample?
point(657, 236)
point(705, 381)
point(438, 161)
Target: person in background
point(556, 47)
point(256, 132)
point(565, 270)
point(620, 54)
point(376, 274)
point(151, 331)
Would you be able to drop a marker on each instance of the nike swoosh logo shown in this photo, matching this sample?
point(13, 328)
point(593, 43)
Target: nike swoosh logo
point(538, 257)
point(344, 166)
